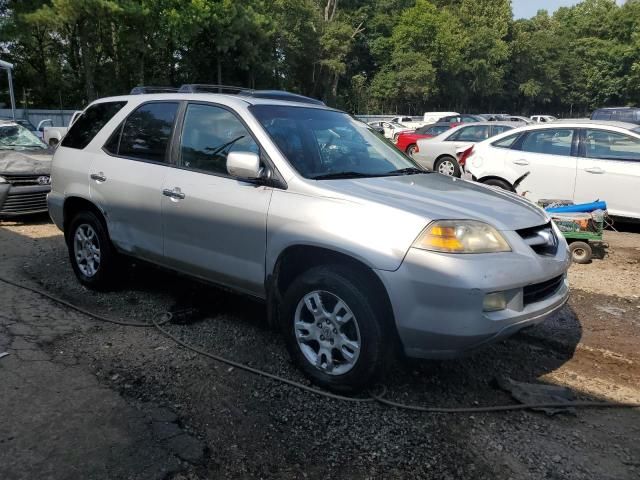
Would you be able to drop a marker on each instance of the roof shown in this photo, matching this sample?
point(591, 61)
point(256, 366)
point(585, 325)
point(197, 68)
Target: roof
point(618, 108)
point(585, 121)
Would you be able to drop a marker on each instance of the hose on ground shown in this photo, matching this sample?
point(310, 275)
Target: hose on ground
point(374, 397)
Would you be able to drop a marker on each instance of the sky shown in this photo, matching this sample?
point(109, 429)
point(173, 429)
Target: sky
point(528, 8)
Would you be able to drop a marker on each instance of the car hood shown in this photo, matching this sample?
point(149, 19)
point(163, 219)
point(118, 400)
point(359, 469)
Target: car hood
point(436, 197)
point(26, 162)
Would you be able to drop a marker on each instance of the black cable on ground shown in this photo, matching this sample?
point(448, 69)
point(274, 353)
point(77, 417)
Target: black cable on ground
point(373, 396)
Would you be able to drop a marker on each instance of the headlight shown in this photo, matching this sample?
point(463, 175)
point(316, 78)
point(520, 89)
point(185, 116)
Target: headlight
point(461, 236)
point(3, 180)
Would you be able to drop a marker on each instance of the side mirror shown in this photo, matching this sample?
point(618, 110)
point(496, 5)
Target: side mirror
point(244, 165)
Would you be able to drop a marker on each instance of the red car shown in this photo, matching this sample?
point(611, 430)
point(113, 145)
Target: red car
point(407, 140)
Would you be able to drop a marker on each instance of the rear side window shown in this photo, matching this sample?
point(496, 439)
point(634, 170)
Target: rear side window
point(475, 133)
point(506, 142)
point(498, 129)
point(87, 126)
point(145, 133)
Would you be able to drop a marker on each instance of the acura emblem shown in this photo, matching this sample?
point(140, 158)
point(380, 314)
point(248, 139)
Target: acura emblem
point(44, 180)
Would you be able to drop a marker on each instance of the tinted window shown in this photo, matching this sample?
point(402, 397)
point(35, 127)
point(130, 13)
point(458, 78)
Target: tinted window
point(551, 141)
point(209, 134)
point(611, 145)
point(506, 142)
point(475, 133)
point(146, 132)
point(89, 123)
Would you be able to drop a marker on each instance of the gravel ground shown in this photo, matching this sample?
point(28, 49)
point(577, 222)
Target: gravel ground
point(252, 427)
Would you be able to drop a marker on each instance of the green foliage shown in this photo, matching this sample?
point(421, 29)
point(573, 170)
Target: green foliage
point(402, 56)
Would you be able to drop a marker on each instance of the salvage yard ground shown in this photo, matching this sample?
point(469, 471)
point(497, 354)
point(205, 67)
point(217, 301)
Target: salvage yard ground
point(87, 400)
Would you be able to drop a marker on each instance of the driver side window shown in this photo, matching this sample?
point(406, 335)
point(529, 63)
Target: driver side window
point(209, 134)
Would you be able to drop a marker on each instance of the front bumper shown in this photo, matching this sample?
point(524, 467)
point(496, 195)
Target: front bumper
point(22, 200)
point(437, 299)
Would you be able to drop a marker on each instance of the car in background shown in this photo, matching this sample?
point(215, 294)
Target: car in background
point(579, 161)
point(391, 129)
point(433, 117)
point(440, 153)
point(53, 135)
point(407, 141)
point(26, 124)
point(456, 120)
point(618, 114)
point(25, 169)
point(409, 122)
point(543, 118)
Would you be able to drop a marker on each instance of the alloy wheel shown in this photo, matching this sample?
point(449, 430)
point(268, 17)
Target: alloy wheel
point(86, 249)
point(327, 332)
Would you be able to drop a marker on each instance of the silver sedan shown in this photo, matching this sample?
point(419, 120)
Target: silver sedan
point(439, 153)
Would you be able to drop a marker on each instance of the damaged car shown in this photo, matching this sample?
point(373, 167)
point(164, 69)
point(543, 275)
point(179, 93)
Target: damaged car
point(25, 169)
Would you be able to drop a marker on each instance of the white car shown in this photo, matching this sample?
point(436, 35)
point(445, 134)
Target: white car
point(391, 129)
point(439, 153)
point(408, 122)
point(579, 161)
point(433, 117)
point(543, 118)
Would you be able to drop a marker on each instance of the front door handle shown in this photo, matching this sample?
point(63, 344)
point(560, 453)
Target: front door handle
point(594, 170)
point(521, 162)
point(175, 194)
point(98, 177)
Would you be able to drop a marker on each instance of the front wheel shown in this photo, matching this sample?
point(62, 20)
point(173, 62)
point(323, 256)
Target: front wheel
point(447, 166)
point(334, 328)
point(411, 150)
point(496, 182)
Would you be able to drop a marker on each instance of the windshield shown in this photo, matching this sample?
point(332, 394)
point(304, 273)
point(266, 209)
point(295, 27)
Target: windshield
point(17, 137)
point(329, 144)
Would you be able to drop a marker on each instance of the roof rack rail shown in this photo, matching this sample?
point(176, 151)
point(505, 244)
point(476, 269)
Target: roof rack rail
point(248, 92)
point(282, 95)
point(141, 89)
point(205, 88)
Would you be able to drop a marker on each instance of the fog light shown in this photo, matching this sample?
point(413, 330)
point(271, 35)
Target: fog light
point(494, 301)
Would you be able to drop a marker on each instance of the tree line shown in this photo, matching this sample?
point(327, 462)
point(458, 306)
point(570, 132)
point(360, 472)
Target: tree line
point(364, 56)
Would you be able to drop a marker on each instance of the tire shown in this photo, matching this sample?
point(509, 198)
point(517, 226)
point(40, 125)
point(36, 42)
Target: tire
point(53, 142)
point(411, 149)
point(447, 165)
point(581, 252)
point(310, 337)
point(86, 234)
point(496, 182)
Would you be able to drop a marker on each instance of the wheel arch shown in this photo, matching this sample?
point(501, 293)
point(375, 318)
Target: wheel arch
point(297, 259)
point(495, 177)
point(74, 205)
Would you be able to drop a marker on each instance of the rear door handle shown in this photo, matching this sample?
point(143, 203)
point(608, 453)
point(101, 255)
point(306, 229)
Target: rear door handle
point(98, 177)
point(175, 193)
point(594, 170)
point(521, 162)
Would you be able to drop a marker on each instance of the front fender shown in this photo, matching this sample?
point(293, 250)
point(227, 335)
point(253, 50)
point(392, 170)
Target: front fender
point(377, 235)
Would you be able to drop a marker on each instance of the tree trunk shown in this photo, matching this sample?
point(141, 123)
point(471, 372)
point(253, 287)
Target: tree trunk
point(88, 62)
point(219, 65)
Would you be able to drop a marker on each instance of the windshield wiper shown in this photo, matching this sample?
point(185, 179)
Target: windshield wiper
point(407, 171)
point(338, 175)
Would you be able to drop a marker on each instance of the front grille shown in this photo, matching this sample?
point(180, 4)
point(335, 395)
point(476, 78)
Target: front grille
point(22, 180)
point(542, 239)
point(540, 291)
point(19, 203)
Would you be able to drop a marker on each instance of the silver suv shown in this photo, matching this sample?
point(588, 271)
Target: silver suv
point(353, 247)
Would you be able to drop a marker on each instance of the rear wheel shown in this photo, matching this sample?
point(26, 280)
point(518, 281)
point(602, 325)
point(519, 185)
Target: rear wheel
point(496, 182)
point(411, 149)
point(93, 258)
point(447, 166)
point(334, 328)
point(581, 252)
